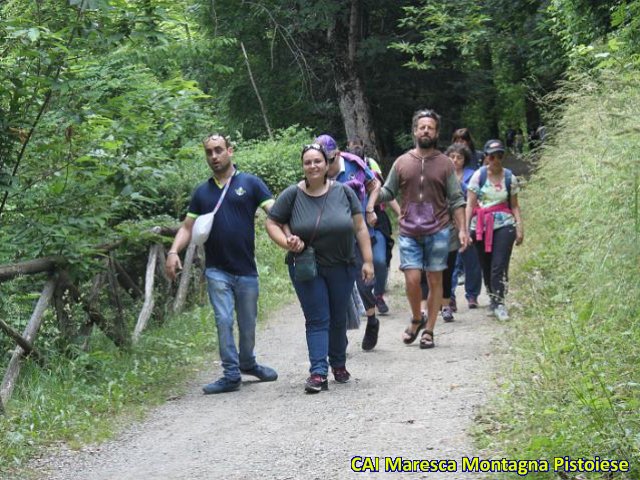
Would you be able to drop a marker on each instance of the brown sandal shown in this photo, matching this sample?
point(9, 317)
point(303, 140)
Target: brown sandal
point(427, 342)
point(413, 335)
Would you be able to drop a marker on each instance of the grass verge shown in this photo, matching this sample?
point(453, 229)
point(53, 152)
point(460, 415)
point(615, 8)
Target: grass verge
point(572, 386)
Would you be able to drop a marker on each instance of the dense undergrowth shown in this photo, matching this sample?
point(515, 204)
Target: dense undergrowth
point(573, 387)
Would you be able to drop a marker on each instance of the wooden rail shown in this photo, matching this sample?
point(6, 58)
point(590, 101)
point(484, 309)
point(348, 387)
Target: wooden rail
point(60, 291)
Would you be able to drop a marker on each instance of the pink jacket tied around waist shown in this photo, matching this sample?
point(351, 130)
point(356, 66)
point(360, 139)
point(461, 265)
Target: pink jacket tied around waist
point(485, 223)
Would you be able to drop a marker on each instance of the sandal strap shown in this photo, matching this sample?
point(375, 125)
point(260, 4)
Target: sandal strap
point(429, 332)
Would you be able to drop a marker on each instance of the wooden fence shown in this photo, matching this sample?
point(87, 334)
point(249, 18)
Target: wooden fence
point(59, 289)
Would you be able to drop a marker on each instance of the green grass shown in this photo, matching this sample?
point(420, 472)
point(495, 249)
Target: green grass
point(572, 383)
point(88, 398)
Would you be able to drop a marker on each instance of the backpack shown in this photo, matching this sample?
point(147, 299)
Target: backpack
point(507, 180)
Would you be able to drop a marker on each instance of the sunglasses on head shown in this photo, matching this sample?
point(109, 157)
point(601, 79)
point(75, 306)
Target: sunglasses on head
point(319, 148)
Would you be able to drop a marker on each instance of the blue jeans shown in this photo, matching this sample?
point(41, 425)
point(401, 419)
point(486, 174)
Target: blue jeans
point(469, 263)
point(324, 301)
point(227, 293)
point(379, 246)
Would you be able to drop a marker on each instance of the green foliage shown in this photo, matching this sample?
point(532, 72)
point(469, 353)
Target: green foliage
point(276, 161)
point(597, 35)
point(445, 29)
point(111, 135)
point(573, 389)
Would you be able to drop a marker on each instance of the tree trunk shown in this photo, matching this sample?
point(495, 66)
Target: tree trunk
point(352, 99)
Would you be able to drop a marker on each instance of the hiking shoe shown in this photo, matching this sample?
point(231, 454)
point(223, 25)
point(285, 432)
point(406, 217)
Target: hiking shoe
point(472, 302)
point(262, 373)
point(381, 305)
point(501, 313)
point(370, 338)
point(447, 314)
point(222, 385)
point(341, 374)
point(315, 383)
point(453, 304)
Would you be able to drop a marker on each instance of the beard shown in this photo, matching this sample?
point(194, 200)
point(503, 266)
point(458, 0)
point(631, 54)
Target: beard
point(427, 142)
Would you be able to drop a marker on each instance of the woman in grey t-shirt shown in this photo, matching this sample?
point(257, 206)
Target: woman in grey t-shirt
point(326, 215)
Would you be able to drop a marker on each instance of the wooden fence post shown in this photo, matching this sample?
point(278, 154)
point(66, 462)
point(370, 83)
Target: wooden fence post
point(147, 307)
point(185, 277)
point(30, 332)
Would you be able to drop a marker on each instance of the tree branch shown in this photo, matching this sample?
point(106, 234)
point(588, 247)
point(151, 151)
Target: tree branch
point(255, 89)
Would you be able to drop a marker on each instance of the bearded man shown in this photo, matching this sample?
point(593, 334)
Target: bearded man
point(424, 181)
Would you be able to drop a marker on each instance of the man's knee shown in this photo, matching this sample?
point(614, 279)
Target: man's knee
point(412, 278)
point(434, 279)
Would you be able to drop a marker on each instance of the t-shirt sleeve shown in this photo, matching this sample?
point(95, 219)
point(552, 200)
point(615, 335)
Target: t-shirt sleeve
point(262, 192)
point(195, 204)
point(474, 183)
point(354, 203)
point(281, 210)
point(389, 190)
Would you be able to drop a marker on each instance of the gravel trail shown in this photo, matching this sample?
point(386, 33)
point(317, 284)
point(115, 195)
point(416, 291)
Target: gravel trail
point(401, 402)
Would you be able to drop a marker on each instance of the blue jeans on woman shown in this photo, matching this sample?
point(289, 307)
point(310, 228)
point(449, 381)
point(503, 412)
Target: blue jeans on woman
point(227, 293)
point(469, 263)
point(324, 301)
point(381, 271)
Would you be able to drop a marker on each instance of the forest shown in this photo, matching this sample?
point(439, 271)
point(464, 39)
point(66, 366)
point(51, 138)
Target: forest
point(104, 104)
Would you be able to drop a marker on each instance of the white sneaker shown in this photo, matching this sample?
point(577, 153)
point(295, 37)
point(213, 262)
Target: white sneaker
point(501, 313)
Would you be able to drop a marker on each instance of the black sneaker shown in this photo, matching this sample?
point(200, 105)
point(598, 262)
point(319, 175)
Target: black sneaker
point(315, 383)
point(381, 305)
point(341, 374)
point(370, 338)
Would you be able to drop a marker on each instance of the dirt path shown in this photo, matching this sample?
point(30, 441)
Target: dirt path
point(402, 401)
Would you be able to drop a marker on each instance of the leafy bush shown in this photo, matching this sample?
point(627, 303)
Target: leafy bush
point(276, 161)
point(574, 389)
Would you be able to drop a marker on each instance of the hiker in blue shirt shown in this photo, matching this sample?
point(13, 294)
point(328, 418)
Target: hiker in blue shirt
point(231, 272)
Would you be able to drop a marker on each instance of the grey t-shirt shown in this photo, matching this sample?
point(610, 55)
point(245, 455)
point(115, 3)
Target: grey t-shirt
point(334, 239)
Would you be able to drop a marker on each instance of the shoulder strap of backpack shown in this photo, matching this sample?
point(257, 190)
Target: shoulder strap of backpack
point(483, 177)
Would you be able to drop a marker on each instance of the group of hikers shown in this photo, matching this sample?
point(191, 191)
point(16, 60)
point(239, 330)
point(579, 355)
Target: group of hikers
point(457, 212)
